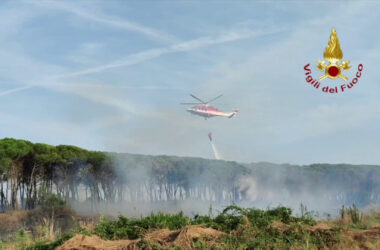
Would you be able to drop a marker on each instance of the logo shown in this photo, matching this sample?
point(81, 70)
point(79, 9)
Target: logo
point(333, 70)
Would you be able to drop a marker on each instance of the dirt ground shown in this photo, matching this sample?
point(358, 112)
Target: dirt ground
point(183, 238)
point(360, 239)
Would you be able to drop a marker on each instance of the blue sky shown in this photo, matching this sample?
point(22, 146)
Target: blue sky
point(109, 75)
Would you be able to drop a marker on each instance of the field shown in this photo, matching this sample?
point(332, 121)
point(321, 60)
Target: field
point(233, 228)
point(65, 197)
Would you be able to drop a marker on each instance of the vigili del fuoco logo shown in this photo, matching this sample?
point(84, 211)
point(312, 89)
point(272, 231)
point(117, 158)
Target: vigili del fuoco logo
point(333, 70)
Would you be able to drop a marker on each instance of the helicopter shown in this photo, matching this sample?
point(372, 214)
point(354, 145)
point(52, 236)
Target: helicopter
point(205, 110)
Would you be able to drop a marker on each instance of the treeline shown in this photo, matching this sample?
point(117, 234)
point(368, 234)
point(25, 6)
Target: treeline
point(28, 170)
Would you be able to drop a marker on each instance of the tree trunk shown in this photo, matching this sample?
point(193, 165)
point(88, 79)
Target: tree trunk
point(2, 197)
point(52, 222)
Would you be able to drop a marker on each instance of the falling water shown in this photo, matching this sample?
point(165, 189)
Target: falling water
point(216, 153)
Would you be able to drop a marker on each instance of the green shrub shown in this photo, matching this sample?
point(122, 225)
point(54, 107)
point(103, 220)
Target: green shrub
point(246, 228)
point(134, 228)
point(161, 220)
point(105, 229)
point(353, 213)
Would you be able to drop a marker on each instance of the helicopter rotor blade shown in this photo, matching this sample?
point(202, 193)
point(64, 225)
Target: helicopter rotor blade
point(197, 98)
point(190, 103)
point(214, 98)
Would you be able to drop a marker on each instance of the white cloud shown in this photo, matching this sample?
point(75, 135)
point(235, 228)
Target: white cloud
point(12, 20)
point(100, 97)
point(106, 20)
point(14, 90)
point(100, 94)
point(191, 45)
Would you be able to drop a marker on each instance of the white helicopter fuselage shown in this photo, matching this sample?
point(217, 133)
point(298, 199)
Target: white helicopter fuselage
point(209, 111)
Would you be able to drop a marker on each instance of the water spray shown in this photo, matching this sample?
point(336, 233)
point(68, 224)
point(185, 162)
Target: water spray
point(216, 153)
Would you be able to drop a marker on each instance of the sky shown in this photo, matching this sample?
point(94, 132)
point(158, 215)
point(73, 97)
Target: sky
point(110, 76)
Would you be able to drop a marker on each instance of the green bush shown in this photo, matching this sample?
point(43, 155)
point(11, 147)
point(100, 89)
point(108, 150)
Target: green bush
point(135, 228)
point(353, 213)
point(246, 228)
point(161, 220)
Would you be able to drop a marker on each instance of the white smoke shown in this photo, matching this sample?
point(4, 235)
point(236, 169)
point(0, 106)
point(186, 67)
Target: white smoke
point(248, 186)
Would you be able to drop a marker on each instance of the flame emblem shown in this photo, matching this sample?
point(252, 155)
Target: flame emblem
point(333, 54)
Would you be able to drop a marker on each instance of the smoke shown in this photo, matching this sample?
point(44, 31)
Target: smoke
point(148, 184)
point(248, 186)
point(322, 188)
point(145, 184)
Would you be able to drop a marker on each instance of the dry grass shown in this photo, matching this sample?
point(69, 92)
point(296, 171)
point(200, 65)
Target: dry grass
point(80, 242)
point(11, 222)
point(87, 222)
point(360, 239)
point(163, 238)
